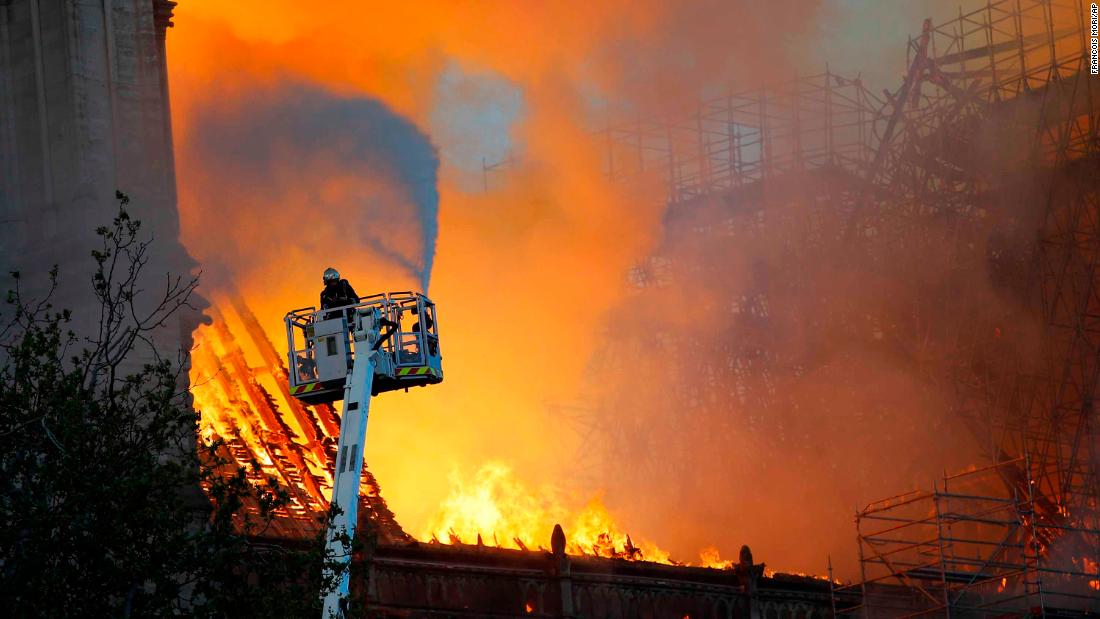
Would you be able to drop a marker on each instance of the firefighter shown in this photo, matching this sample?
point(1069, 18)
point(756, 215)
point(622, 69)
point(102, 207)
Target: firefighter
point(429, 336)
point(338, 292)
point(427, 321)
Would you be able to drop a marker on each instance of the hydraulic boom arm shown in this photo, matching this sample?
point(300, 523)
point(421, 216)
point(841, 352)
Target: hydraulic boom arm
point(349, 455)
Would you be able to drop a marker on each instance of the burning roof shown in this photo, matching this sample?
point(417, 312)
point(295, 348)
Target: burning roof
point(239, 383)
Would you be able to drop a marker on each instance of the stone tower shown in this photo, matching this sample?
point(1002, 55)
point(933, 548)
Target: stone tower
point(84, 111)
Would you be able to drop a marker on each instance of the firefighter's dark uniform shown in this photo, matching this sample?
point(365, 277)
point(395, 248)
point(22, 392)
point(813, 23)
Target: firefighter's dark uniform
point(338, 294)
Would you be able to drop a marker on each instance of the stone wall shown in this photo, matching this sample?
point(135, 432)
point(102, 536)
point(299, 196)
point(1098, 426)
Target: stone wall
point(84, 111)
point(434, 580)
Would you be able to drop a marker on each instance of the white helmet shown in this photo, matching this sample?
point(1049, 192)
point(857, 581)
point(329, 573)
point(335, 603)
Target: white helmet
point(331, 276)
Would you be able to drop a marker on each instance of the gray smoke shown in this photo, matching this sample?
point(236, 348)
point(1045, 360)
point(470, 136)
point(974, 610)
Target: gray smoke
point(292, 139)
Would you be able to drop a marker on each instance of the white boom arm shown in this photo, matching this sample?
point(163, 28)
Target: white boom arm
point(349, 454)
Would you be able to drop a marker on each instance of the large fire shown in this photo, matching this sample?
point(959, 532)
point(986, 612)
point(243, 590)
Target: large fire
point(495, 508)
point(239, 384)
point(242, 399)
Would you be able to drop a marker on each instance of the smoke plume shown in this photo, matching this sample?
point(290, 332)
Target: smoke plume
point(302, 170)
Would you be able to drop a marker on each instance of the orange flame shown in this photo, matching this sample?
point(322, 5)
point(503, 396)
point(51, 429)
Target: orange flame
point(493, 505)
point(239, 388)
point(710, 557)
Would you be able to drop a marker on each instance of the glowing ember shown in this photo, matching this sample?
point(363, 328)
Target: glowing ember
point(1092, 568)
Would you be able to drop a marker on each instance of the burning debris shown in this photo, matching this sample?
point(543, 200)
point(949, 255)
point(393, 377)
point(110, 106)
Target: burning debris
point(239, 383)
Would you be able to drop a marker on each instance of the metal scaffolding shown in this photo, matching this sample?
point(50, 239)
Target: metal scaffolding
point(743, 137)
point(986, 157)
point(995, 126)
point(966, 549)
